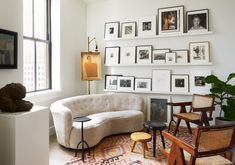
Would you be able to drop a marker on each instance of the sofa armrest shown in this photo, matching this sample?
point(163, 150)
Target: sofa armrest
point(63, 120)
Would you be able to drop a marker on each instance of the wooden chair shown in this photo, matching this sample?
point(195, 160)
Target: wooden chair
point(209, 143)
point(199, 107)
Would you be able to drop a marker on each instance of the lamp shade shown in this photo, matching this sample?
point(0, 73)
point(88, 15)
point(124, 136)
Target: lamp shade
point(90, 66)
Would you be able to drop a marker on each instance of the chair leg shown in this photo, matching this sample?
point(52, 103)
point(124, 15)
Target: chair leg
point(146, 146)
point(192, 160)
point(177, 126)
point(143, 148)
point(189, 128)
point(133, 146)
point(163, 141)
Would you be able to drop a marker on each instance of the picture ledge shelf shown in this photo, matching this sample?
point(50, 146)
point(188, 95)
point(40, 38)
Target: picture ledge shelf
point(160, 36)
point(156, 65)
point(150, 92)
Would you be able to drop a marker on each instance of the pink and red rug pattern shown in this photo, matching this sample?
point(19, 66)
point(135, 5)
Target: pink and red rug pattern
point(115, 150)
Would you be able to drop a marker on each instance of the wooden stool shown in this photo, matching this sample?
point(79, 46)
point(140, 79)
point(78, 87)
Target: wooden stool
point(141, 137)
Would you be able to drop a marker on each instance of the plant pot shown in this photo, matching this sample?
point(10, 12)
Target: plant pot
point(223, 121)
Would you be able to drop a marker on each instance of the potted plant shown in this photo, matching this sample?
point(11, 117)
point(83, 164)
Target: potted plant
point(224, 94)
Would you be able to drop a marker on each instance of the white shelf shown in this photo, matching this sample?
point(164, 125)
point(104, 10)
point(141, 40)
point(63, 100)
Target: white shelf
point(150, 92)
point(156, 65)
point(160, 36)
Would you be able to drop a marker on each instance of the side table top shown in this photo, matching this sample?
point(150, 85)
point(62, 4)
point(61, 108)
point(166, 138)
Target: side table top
point(81, 119)
point(155, 125)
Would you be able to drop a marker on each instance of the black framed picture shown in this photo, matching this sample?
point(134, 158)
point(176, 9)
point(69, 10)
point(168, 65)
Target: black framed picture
point(111, 81)
point(111, 30)
point(171, 20)
point(158, 110)
point(198, 21)
point(8, 49)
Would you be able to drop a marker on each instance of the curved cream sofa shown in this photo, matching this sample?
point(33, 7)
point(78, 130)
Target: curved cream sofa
point(109, 113)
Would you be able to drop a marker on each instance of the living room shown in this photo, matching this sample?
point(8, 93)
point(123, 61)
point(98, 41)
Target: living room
point(142, 61)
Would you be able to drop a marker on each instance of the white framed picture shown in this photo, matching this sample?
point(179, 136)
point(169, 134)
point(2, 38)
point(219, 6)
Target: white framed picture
point(111, 82)
point(126, 83)
point(111, 30)
point(112, 55)
point(197, 83)
point(127, 55)
point(161, 80)
point(199, 52)
point(159, 56)
point(157, 109)
point(181, 56)
point(147, 26)
point(197, 21)
point(170, 58)
point(171, 20)
point(143, 54)
point(143, 84)
point(180, 83)
point(128, 29)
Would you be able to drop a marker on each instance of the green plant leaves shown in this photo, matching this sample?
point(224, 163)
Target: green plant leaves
point(229, 89)
point(212, 79)
point(231, 76)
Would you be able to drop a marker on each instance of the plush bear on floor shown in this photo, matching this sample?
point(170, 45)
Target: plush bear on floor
point(11, 98)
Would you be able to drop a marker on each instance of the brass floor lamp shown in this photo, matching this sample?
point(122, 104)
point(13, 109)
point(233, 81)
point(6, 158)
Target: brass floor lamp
point(90, 65)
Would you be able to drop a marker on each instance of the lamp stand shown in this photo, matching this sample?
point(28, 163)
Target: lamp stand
point(89, 87)
point(96, 49)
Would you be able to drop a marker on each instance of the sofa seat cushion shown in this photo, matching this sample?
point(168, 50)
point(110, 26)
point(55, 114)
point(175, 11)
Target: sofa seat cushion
point(99, 118)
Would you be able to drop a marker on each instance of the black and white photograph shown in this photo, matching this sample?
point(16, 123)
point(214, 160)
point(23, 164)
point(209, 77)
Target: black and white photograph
point(198, 21)
point(161, 80)
point(158, 110)
point(180, 83)
point(171, 20)
point(126, 83)
point(111, 82)
point(111, 30)
point(143, 54)
point(181, 56)
point(199, 52)
point(128, 29)
point(170, 58)
point(112, 55)
point(143, 84)
point(197, 83)
point(127, 55)
point(159, 56)
point(147, 26)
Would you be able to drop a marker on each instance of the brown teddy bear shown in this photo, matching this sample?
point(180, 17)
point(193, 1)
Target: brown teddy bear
point(11, 98)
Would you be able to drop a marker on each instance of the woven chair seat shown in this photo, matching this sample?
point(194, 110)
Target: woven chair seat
point(215, 160)
point(188, 116)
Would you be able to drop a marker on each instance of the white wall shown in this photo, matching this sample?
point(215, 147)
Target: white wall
point(221, 23)
point(11, 18)
point(73, 41)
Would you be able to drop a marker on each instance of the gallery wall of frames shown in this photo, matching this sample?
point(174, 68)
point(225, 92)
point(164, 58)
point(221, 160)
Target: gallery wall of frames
point(169, 23)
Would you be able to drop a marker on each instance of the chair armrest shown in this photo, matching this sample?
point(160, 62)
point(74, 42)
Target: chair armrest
point(204, 109)
point(182, 144)
point(180, 104)
point(63, 120)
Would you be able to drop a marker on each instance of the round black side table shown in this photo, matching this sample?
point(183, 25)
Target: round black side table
point(154, 126)
point(82, 142)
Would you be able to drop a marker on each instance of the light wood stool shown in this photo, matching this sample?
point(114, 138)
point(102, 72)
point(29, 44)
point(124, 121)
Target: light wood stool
point(141, 137)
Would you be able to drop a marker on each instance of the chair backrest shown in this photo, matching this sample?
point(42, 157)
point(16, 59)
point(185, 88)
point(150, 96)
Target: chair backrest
point(212, 140)
point(202, 101)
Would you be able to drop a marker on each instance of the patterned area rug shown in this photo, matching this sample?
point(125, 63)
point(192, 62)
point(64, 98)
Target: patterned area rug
point(115, 150)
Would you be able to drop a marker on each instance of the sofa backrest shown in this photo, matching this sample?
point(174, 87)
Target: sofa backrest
point(89, 104)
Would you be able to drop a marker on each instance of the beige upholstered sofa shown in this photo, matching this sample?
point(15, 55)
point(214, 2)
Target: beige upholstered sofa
point(109, 113)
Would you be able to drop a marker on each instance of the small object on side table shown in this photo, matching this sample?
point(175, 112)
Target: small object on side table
point(82, 142)
point(154, 126)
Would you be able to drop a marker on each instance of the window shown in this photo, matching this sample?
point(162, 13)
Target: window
point(36, 45)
